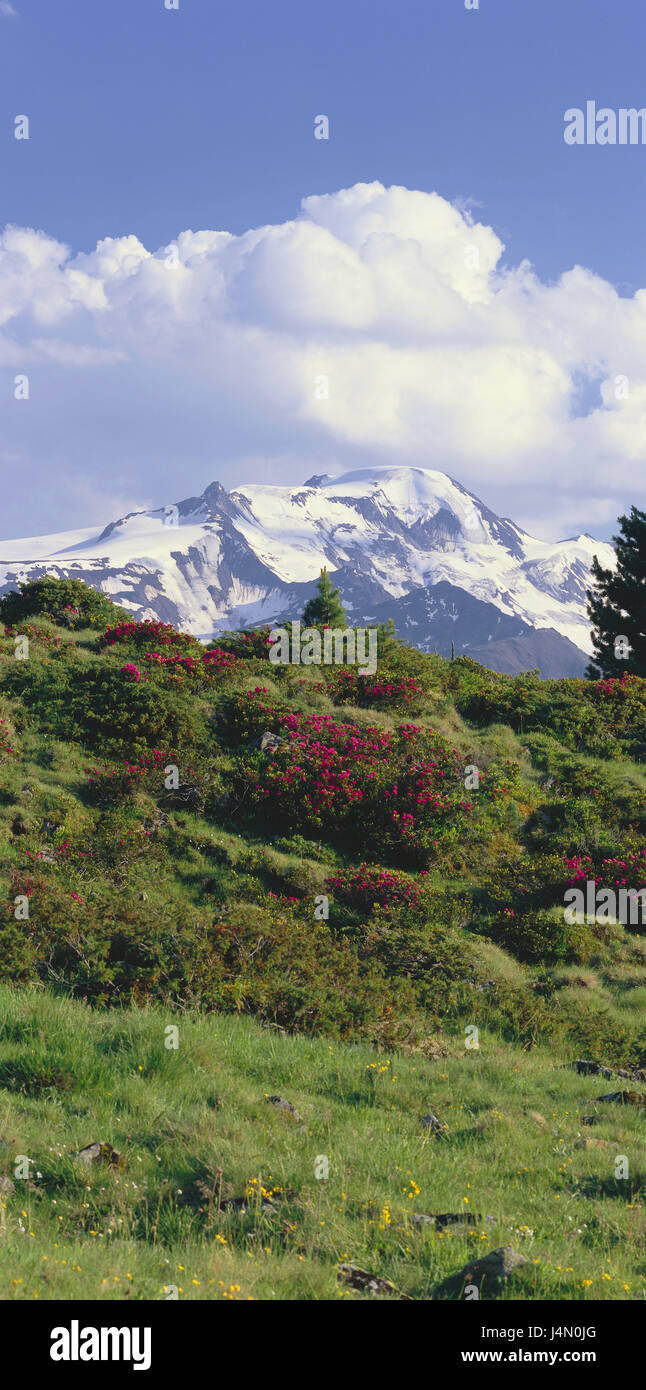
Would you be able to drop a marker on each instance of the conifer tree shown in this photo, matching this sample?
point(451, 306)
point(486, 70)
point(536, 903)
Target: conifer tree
point(617, 604)
point(325, 608)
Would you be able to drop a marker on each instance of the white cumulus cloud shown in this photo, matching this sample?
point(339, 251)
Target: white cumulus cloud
point(204, 359)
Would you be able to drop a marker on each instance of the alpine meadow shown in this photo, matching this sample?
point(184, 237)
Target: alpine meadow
point(291, 1003)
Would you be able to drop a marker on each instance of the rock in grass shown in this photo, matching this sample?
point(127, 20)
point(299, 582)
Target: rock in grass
point(361, 1279)
point(6, 1187)
point(432, 1124)
point(492, 1269)
point(440, 1220)
point(286, 1107)
point(585, 1068)
point(101, 1153)
point(623, 1098)
point(498, 1264)
point(187, 795)
point(90, 1154)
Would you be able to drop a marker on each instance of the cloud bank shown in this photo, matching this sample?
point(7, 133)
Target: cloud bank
point(381, 325)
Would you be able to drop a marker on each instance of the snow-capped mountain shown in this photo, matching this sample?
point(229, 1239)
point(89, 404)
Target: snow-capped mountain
point(410, 543)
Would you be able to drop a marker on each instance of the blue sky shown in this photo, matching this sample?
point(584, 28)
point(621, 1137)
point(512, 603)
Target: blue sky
point(146, 122)
point(149, 121)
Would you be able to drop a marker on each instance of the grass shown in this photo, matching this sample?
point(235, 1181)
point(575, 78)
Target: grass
point(512, 1154)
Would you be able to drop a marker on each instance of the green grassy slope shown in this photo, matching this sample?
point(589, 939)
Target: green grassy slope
point(512, 1151)
point(316, 916)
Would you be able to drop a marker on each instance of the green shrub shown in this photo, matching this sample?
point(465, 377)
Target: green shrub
point(67, 601)
point(544, 936)
point(97, 705)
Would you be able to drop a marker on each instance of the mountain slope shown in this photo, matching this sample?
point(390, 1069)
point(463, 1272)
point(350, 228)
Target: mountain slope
point(186, 1047)
point(401, 542)
point(446, 619)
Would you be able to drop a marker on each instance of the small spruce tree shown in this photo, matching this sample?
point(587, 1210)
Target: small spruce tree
point(617, 604)
point(325, 608)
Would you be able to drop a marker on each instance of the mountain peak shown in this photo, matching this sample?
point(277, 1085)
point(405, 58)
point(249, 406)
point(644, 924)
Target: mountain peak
point(395, 539)
point(213, 493)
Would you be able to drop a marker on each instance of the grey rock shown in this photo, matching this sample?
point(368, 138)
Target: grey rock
point(101, 1153)
point(623, 1098)
point(286, 1107)
point(585, 1068)
point(90, 1154)
point(496, 1266)
point(6, 1187)
point(432, 1123)
point(268, 742)
point(363, 1280)
point(187, 794)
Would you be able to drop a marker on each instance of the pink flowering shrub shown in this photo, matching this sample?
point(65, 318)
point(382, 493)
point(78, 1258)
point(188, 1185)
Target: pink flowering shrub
point(192, 670)
point(365, 885)
point(110, 782)
point(40, 640)
point(402, 790)
point(523, 902)
point(117, 840)
point(147, 634)
point(605, 717)
point(625, 870)
point(188, 671)
point(380, 691)
point(37, 634)
point(249, 645)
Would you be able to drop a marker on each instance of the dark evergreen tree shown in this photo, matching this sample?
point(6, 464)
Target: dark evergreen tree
point(325, 608)
point(617, 604)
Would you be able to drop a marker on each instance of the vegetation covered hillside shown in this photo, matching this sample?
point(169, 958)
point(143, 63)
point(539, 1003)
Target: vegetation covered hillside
point(377, 863)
